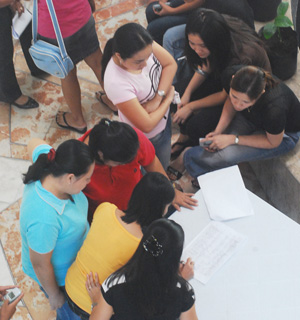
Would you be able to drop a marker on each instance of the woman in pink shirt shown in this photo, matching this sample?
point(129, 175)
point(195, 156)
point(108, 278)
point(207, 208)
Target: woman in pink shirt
point(77, 26)
point(138, 75)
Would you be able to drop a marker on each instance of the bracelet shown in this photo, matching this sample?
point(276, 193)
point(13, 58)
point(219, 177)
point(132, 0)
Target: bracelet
point(94, 304)
point(203, 73)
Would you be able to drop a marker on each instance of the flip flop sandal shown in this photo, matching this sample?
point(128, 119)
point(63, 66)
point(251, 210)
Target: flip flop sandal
point(177, 153)
point(173, 172)
point(30, 104)
point(67, 126)
point(99, 95)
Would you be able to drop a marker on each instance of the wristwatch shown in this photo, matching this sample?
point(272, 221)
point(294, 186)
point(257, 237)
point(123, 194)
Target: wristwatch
point(94, 304)
point(236, 141)
point(161, 93)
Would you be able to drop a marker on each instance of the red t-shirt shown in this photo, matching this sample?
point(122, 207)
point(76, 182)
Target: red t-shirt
point(115, 184)
point(71, 16)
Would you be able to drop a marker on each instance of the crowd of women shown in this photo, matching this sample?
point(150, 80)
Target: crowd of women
point(94, 235)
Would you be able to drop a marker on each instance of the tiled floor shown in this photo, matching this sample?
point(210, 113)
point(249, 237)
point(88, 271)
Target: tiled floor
point(17, 127)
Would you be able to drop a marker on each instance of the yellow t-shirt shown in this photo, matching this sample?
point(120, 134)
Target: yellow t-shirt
point(107, 247)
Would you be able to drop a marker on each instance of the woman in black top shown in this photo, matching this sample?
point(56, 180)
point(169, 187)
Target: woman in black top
point(213, 42)
point(260, 120)
point(150, 285)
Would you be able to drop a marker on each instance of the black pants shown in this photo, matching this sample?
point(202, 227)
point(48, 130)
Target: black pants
point(9, 87)
point(206, 119)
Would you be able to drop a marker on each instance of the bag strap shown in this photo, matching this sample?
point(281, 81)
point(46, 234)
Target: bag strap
point(59, 37)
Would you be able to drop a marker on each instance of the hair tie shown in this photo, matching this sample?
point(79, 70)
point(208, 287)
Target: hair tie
point(152, 246)
point(107, 122)
point(51, 155)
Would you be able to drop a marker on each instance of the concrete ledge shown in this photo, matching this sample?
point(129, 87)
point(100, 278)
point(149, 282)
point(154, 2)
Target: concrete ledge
point(280, 179)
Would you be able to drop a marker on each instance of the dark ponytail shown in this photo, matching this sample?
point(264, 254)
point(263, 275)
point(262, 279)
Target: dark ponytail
point(72, 156)
point(127, 41)
point(116, 140)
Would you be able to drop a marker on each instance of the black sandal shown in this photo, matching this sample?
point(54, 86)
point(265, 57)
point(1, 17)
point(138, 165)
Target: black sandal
point(174, 172)
point(30, 104)
point(99, 95)
point(177, 153)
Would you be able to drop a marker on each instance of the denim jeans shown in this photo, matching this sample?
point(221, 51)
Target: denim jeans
point(158, 25)
point(162, 144)
point(74, 307)
point(64, 312)
point(198, 161)
point(174, 43)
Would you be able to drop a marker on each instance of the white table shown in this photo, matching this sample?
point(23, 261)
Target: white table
point(260, 282)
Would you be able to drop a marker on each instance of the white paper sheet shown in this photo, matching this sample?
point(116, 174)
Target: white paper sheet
point(211, 248)
point(225, 194)
point(19, 23)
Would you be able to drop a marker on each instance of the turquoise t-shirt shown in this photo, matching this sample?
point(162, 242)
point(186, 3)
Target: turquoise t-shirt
point(48, 223)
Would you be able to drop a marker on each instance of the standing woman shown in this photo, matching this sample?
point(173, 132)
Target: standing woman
point(138, 74)
point(114, 237)
point(53, 215)
point(149, 286)
point(77, 26)
point(213, 42)
point(260, 120)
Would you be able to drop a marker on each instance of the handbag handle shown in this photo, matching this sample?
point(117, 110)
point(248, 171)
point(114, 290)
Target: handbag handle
point(59, 37)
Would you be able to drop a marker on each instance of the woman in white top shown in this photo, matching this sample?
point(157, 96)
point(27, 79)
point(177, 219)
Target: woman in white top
point(138, 75)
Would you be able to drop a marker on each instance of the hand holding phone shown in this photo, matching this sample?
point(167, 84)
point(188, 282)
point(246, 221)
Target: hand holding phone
point(204, 144)
point(11, 295)
point(157, 7)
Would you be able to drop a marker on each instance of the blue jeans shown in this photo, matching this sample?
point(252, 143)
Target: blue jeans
point(198, 161)
point(162, 144)
point(157, 25)
point(174, 43)
point(64, 312)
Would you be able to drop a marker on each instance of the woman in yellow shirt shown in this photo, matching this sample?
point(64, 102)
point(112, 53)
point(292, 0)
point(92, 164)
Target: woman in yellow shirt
point(114, 236)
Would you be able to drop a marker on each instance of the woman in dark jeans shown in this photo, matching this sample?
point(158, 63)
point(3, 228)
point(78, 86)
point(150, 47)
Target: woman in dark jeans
point(213, 42)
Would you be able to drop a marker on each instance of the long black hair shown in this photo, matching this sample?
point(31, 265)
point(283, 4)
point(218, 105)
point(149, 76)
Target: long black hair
point(224, 36)
point(72, 156)
point(152, 273)
point(149, 199)
point(127, 41)
point(116, 140)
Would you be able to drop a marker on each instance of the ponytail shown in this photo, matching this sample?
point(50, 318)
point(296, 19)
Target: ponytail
point(107, 54)
point(72, 156)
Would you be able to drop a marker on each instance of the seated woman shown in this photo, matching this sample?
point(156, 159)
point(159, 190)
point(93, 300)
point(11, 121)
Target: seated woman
point(53, 215)
point(115, 235)
point(138, 74)
point(150, 285)
point(213, 42)
point(174, 14)
point(260, 120)
point(120, 152)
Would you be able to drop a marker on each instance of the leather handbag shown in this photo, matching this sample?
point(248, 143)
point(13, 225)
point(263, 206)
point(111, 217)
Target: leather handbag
point(48, 57)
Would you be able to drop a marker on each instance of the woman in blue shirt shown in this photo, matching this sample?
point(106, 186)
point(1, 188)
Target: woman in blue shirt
point(53, 216)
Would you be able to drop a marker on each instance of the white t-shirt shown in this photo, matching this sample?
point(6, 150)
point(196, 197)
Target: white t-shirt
point(121, 86)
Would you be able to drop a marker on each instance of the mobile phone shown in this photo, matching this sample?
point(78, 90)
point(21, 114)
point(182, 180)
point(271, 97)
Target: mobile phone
point(12, 295)
point(204, 144)
point(157, 7)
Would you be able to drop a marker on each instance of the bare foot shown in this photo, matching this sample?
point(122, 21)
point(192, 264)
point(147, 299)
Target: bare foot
point(79, 124)
point(22, 100)
point(102, 97)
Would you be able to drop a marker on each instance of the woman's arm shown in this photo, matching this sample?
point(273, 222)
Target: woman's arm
point(212, 100)
point(101, 310)
point(190, 314)
point(187, 6)
point(44, 271)
point(140, 118)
